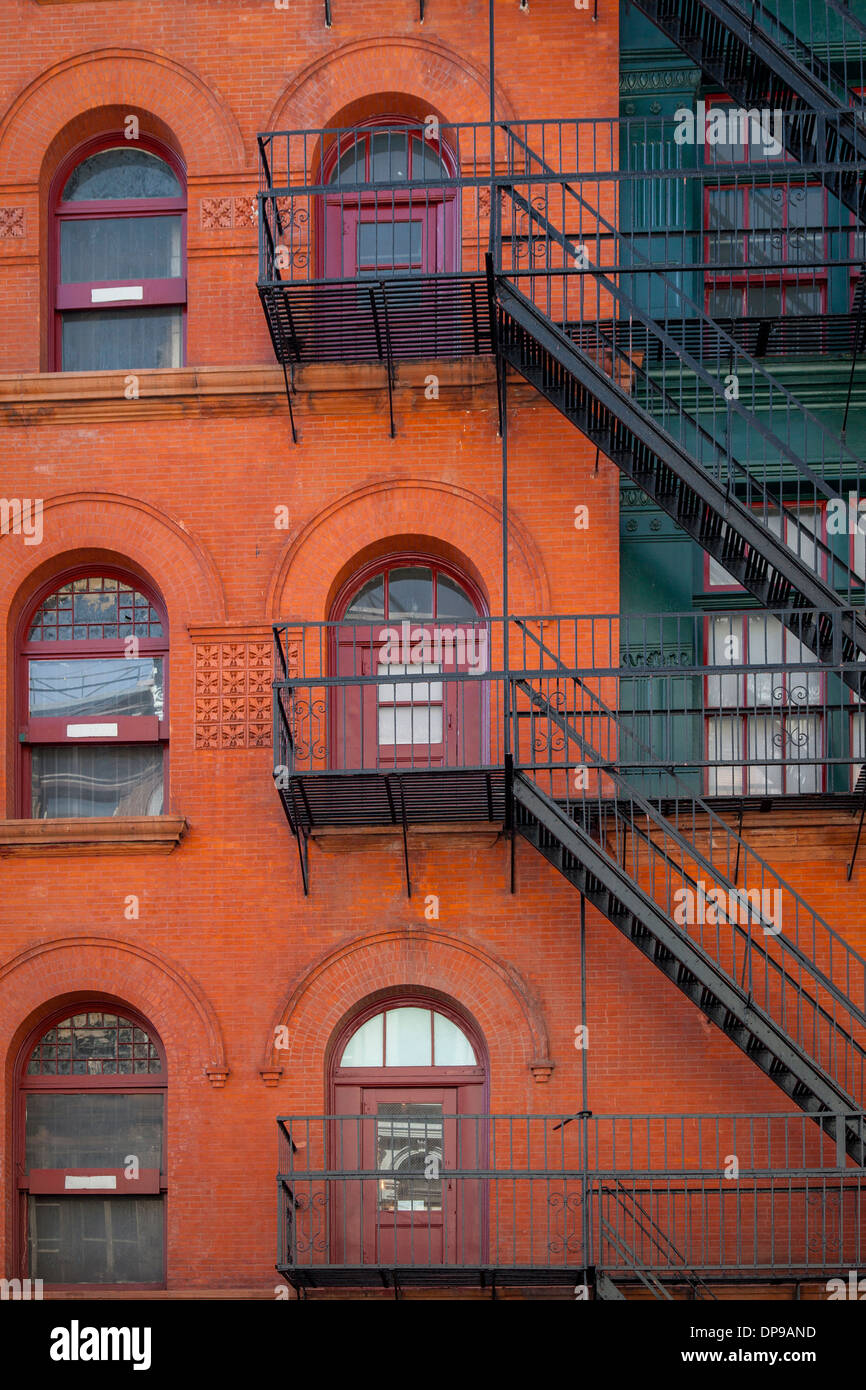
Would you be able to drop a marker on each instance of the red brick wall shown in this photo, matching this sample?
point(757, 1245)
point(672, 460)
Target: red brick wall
point(225, 946)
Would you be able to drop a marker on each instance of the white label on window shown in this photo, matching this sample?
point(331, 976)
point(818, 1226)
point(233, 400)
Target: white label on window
point(108, 1181)
point(91, 731)
point(108, 296)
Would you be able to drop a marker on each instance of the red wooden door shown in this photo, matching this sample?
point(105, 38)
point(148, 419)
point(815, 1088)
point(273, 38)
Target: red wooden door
point(410, 1211)
point(415, 1211)
point(415, 716)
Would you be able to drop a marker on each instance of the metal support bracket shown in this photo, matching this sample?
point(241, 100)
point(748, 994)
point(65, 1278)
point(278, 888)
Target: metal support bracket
point(405, 839)
point(383, 343)
point(853, 859)
point(303, 858)
point(290, 390)
point(509, 816)
point(494, 334)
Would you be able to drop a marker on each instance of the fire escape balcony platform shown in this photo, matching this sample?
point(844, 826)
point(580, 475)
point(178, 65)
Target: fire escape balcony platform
point(386, 319)
point(433, 796)
point(395, 1277)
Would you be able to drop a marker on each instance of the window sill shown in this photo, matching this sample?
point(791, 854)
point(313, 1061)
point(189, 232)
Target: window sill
point(92, 835)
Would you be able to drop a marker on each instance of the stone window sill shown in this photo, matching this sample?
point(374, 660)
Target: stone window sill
point(92, 835)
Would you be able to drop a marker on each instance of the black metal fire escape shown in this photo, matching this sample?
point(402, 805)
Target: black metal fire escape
point(751, 49)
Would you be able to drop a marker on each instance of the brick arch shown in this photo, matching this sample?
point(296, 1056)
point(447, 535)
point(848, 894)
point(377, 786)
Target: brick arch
point(455, 87)
point(492, 992)
point(82, 526)
point(41, 978)
point(322, 553)
point(133, 79)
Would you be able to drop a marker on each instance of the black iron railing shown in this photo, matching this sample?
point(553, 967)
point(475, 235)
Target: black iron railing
point(731, 700)
point(680, 1198)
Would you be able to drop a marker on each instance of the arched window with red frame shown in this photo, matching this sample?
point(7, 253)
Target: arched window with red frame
point(388, 211)
point(92, 691)
point(90, 1140)
point(119, 215)
point(417, 624)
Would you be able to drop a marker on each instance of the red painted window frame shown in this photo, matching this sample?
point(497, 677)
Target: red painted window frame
point(740, 277)
point(436, 205)
point(77, 296)
point(153, 1083)
point(383, 565)
point(157, 731)
point(742, 712)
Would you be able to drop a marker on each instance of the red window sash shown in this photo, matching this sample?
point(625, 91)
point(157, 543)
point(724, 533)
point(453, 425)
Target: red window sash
point(44, 1181)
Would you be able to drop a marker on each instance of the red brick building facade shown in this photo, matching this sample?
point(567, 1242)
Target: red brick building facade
point(184, 481)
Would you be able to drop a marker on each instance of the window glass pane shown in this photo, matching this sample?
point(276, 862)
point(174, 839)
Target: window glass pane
point(351, 166)
point(389, 245)
point(451, 1047)
point(766, 739)
point(764, 301)
point(426, 163)
point(410, 592)
point(366, 1047)
point(369, 602)
point(452, 601)
point(93, 1131)
point(804, 737)
point(121, 173)
point(726, 220)
point(419, 725)
point(120, 248)
point(88, 1240)
point(72, 779)
point(96, 685)
point(802, 299)
point(766, 640)
point(389, 156)
point(94, 1044)
point(408, 1038)
point(725, 648)
point(115, 339)
point(724, 304)
point(723, 747)
point(409, 1149)
point(111, 606)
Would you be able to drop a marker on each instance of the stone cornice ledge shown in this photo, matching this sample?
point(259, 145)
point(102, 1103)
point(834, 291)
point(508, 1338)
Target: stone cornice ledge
point(69, 397)
point(92, 835)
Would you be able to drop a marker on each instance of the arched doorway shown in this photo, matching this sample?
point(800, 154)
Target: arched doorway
point(418, 625)
point(409, 1087)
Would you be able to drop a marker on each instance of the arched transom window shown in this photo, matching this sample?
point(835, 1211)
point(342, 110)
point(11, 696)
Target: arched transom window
point(408, 1037)
point(120, 272)
point(95, 720)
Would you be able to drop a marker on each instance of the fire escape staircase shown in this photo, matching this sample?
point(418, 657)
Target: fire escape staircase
point(758, 985)
point(665, 450)
point(745, 47)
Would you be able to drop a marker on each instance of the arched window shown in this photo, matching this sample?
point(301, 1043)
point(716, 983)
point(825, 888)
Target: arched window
point(90, 1149)
point(409, 1099)
point(93, 694)
point(408, 1036)
point(119, 257)
point(409, 620)
point(402, 220)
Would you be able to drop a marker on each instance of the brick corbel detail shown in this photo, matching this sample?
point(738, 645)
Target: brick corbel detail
point(542, 1070)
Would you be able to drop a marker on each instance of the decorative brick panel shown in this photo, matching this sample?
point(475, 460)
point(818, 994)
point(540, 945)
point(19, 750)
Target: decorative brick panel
point(11, 222)
point(233, 693)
